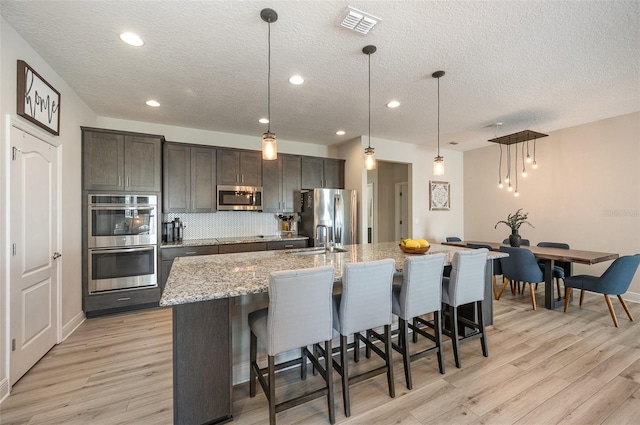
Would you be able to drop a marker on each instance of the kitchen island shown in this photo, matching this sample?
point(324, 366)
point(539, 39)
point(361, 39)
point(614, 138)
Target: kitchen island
point(200, 290)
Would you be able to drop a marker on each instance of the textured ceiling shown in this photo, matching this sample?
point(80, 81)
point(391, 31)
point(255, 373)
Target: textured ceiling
point(539, 65)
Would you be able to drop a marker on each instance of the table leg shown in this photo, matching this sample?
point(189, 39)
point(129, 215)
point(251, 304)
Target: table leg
point(550, 300)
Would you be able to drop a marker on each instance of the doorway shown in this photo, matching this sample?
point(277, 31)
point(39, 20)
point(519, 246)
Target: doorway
point(385, 178)
point(34, 320)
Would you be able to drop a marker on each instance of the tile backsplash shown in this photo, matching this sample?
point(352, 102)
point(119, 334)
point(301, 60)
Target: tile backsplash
point(226, 224)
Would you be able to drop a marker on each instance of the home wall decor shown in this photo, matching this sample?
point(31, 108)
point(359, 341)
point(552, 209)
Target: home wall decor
point(38, 101)
point(439, 196)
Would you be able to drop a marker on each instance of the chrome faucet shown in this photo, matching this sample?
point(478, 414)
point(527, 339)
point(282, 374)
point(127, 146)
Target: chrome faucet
point(327, 243)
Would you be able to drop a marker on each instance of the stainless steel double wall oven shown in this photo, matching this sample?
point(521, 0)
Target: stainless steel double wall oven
point(122, 242)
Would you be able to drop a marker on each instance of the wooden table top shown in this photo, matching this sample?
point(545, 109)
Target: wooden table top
point(556, 254)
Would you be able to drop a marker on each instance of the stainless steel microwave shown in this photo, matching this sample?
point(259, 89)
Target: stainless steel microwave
point(239, 198)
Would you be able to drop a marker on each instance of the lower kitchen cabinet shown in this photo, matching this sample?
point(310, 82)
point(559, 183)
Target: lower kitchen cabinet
point(242, 247)
point(122, 300)
point(167, 255)
point(272, 246)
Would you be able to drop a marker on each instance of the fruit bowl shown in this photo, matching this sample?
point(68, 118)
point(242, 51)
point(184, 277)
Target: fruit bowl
point(408, 250)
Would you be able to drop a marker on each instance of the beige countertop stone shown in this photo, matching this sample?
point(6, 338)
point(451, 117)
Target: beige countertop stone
point(209, 277)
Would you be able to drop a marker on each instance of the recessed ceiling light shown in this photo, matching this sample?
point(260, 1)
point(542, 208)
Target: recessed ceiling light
point(131, 39)
point(153, 103)
point(296, 79)
point(393, 104)
point(340, 132)
point(263, 121)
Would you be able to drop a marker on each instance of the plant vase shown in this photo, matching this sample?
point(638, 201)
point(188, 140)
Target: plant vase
point(515, 239)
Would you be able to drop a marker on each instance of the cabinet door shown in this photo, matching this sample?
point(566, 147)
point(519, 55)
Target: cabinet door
point(203, 179)
point(228, 167)
point(176, 178)
point(312, 173)
point(103, 160)
point(291, 182)
point(142, 163)
point(334, 173)
point(251, 168)
point(272, 185)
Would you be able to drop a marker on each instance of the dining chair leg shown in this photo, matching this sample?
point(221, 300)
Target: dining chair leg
point(505, 282)
point(253, 349)
point(626, 309)
point(388, 351)
point(567, 296)
point(613, 313)
point(272, 390)
point(303, 364)
point(533, 295)
point(495, 288)
point(558, 288)
point(344, 361)
point(328, 367)
point(581, 296)
point(403, 337)
point(453, 315)
point(437, 322)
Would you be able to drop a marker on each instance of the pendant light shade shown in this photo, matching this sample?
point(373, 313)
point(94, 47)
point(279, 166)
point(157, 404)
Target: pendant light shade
point(438, 161)
point(369, 152)
point(269, 143)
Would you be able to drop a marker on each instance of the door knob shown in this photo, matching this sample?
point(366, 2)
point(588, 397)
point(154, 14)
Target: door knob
point(56, 255)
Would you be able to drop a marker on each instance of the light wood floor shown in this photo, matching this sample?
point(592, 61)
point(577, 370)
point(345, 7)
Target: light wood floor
point(544, 367)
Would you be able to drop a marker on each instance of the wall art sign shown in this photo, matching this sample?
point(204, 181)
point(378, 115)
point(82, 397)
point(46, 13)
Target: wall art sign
point(38, 101)
point(439, 196)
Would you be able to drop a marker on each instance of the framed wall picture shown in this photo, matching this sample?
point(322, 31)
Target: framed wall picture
point(439, 196)
point(38, 101)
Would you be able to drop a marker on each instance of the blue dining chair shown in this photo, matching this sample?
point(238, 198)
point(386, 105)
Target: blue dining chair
point(453, 239)
point(561, 268)
point(524, 242)
point(521, 266)
point(497, 269)
point(614, 281)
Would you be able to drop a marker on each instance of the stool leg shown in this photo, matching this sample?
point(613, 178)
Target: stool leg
point(253, 349)
point(437, 319)
point(272, 391)
point(328, 367)
point(303, 364)
point(415, 334)
point(345, 375)
point(388, 351)
point(453, 313)
point(356, 347)
point(367, 350)
point(483, 338)
point(403, 336)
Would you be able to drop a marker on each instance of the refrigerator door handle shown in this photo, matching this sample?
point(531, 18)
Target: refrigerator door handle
point(338, 219)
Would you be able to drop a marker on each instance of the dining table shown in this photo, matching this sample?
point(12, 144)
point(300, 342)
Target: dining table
point(548, 257)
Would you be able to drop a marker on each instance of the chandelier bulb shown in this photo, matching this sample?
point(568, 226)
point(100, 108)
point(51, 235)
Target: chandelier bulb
point(516, 194)
point(524, 173)
point(507, 180)
point(510, 189)
point(500, 185)
point(534, 165)
point(528, 159)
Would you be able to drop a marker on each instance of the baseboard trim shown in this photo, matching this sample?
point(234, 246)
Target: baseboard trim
point(634, 297)
point(72, 325)
point(4, 389)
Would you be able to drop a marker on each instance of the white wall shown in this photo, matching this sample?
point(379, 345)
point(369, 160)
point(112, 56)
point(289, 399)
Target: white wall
point(73, 114)
point(586, 192)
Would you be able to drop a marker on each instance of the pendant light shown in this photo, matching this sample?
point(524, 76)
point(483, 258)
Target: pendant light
point(269, 143)
point(438, 161)
point(369, 152)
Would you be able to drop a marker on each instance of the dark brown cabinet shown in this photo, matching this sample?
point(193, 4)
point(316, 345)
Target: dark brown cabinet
point(273, 246)
point(189, 178)
point(280, 179)
point(115, 160)
point(167, 255)
point(239, 168)
point(322, 172)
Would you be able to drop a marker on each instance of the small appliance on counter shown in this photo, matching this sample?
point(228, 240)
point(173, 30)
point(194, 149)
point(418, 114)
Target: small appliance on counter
point(173, 231)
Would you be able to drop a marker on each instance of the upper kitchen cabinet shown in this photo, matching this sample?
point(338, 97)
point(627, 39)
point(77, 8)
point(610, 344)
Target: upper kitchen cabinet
point(189, 178)
point(116, 160)
point(322, 172)
point(280, 179)
point(239, 168)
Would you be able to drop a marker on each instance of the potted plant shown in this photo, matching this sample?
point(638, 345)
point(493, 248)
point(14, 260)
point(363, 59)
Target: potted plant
point(514, 221)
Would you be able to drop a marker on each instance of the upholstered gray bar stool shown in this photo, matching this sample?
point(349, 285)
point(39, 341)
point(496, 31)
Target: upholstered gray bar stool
point(465, 286)
point(419, 294)
point(300, 313)
point(365, 303)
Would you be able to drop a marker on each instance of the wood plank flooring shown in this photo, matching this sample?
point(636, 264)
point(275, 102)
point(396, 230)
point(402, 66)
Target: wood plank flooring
point(544, 367)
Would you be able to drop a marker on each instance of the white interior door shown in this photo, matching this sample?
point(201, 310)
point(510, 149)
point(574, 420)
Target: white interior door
point(34, 239)
point(402, 210)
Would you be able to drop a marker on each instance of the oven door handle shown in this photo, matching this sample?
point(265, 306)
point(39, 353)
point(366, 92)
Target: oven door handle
point(118, 250)
point(123, 207)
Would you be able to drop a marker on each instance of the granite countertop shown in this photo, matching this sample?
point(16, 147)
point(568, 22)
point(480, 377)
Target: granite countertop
point(209, 277)
point(234, 240)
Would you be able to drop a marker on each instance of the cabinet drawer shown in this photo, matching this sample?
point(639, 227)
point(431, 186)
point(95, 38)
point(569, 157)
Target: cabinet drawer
point(242, 247)
point(187, 251)
point(286, 244)
point(117, 299)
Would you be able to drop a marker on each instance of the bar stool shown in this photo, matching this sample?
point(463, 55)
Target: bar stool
point(464, 286)
point(365, 303)
point(299, 314)
point(420, 293)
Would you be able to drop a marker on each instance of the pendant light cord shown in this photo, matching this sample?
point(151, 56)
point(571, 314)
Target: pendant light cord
point(438, 116)
point(269, 83)
point(369, 99)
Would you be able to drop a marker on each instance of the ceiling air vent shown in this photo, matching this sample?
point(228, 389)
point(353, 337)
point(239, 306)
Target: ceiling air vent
point(359, 21)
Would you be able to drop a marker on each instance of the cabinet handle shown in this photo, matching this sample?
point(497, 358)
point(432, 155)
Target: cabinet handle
point(119, 181)
point(289, 246)
point(191, 252)
point(242, 178)
point(124, 299)
point(128, 181)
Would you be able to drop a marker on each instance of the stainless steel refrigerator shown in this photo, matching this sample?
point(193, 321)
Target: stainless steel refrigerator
point(332, 213)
